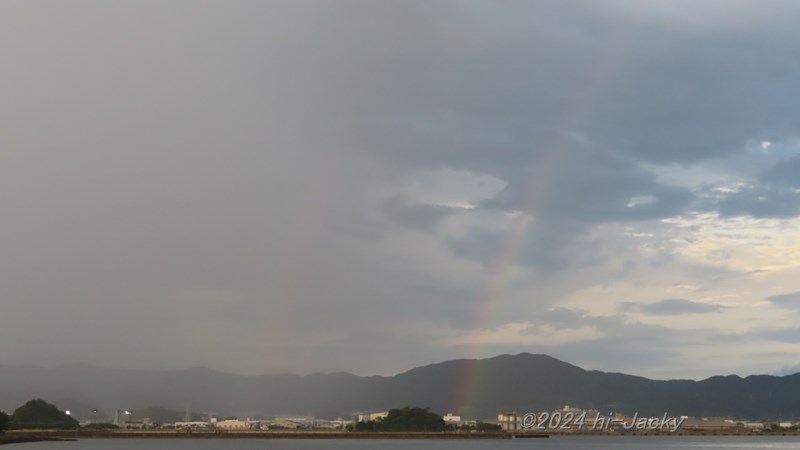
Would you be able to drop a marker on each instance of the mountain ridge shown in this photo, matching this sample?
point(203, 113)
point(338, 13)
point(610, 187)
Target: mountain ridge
point(474, 388)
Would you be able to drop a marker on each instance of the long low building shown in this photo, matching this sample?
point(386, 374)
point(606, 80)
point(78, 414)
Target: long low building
point(233, 425)
point(192, 425)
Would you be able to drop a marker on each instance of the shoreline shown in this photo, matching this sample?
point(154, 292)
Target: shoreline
point(30, 437)
point(127, 434)
point(19, 436)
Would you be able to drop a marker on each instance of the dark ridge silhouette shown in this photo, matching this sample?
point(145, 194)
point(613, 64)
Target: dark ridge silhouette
point(475, 389)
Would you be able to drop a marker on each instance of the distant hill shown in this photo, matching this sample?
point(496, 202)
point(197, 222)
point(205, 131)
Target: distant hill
point(472, 388)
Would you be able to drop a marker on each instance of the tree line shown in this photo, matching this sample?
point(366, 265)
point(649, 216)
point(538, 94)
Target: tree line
point(37, 414)
point(410, 419)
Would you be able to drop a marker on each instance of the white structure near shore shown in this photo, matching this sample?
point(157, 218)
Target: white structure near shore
point(373, 416)
point(450, 419)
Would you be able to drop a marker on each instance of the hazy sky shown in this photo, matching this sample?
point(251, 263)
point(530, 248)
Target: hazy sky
point(298, 186)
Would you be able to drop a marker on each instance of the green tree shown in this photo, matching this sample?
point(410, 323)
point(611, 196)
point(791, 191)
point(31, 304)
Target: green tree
point(38, 414)
point(405, 419)
point(483, 426)
point(4, 420)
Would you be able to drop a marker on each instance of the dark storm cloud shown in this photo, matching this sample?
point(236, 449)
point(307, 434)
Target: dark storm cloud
point(761, 202)
point(774, 193)
point(649, 93)
point(634, 93)
point(415, 215)
point(668, 307)
point(785, 173)
point(590, 186)
point(478, 244)
point(567, 129)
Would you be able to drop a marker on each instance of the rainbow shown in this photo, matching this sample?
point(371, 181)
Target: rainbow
point(471, 381)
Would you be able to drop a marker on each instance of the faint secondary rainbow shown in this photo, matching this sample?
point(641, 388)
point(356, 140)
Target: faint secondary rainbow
point(468, 386)
point(302, 247)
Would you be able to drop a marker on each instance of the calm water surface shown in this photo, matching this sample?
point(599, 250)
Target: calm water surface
point(563, 442)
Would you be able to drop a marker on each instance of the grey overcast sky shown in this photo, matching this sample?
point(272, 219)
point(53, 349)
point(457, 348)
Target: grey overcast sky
point(368, 186)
